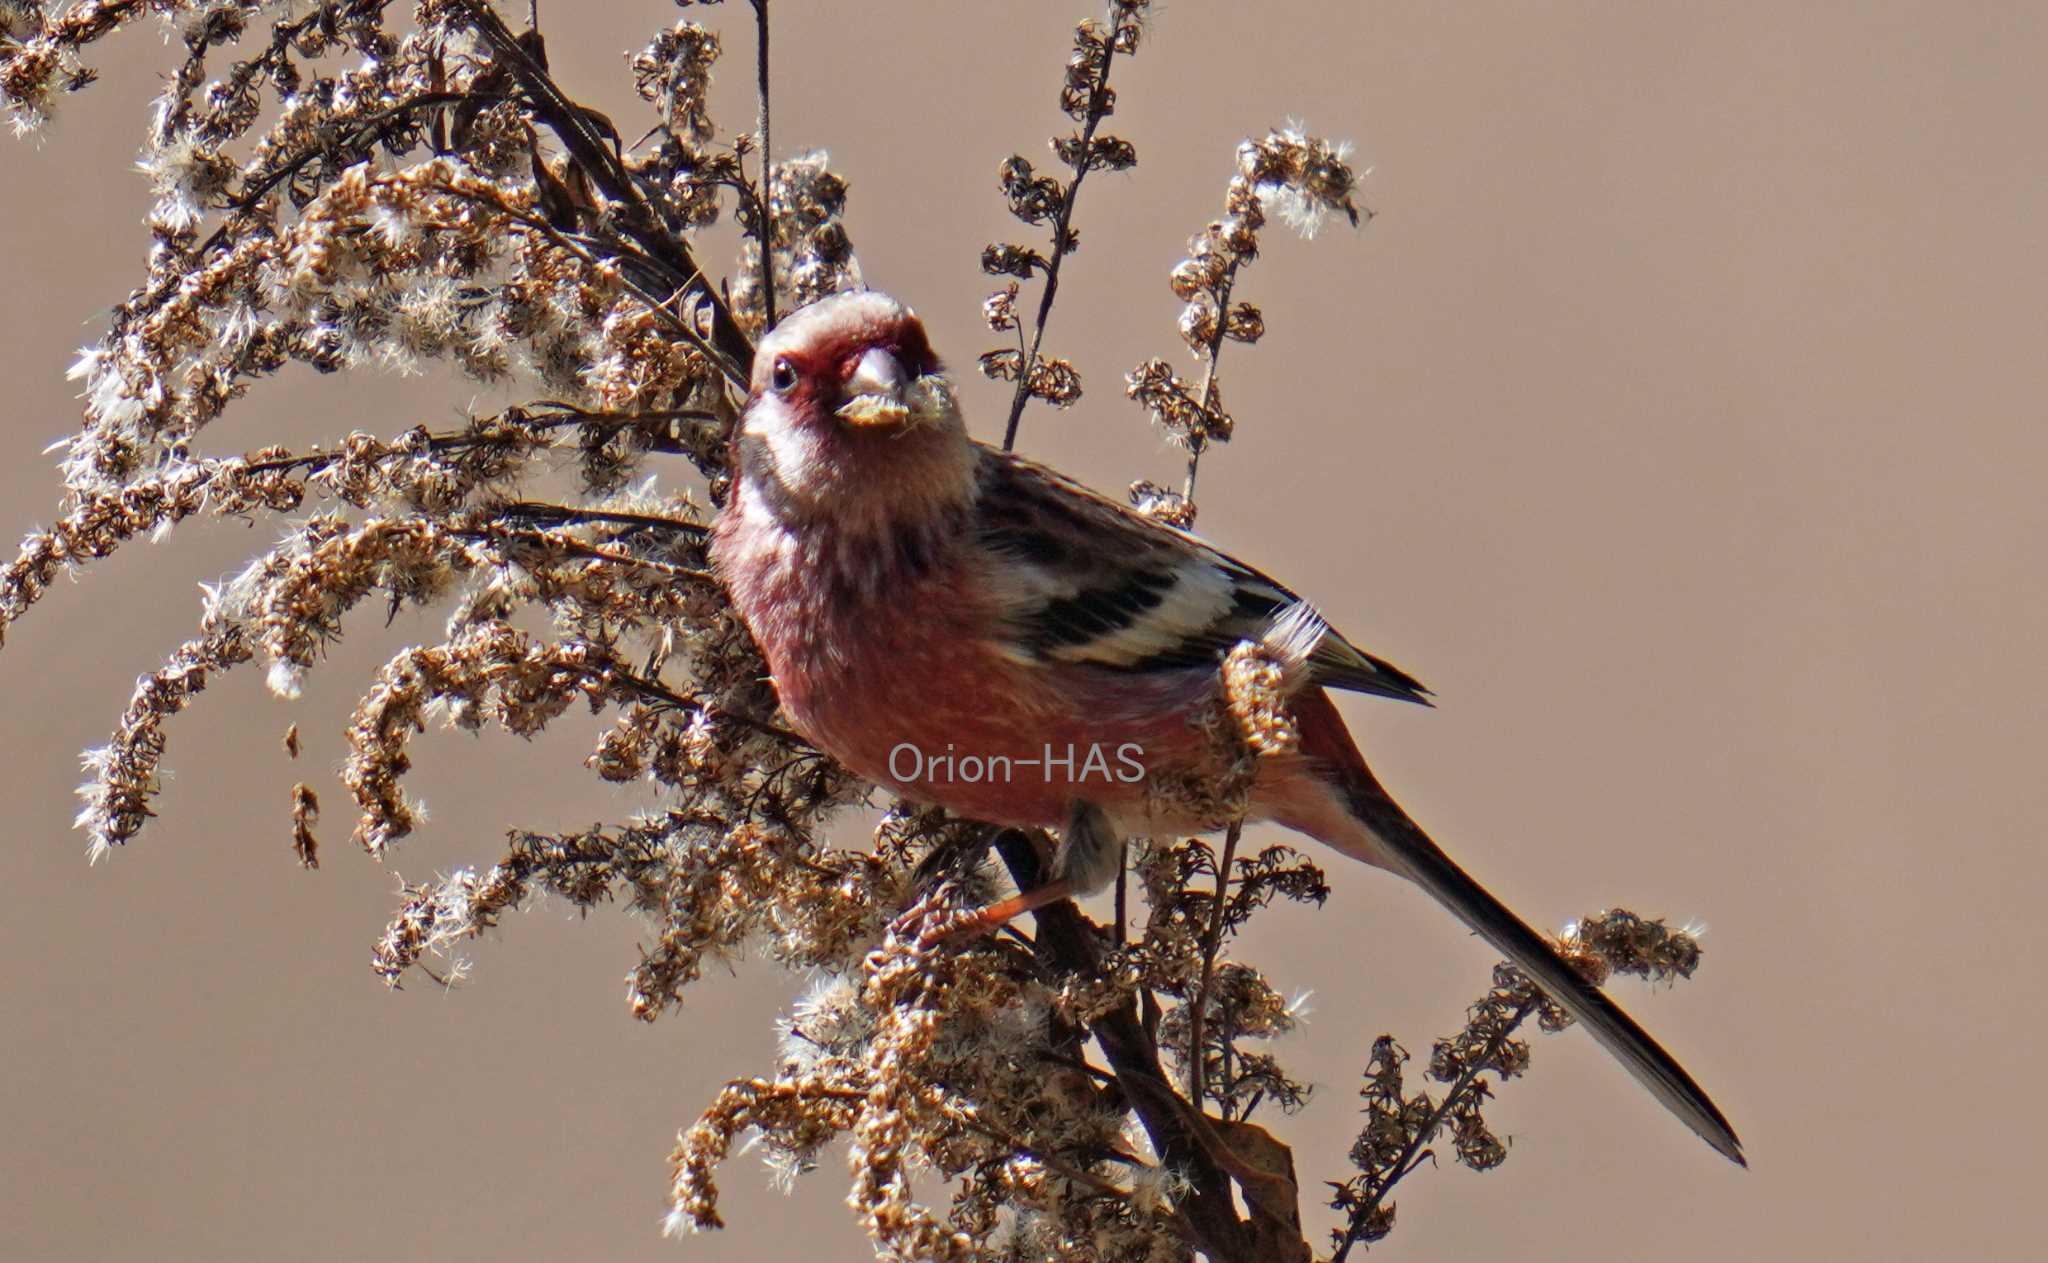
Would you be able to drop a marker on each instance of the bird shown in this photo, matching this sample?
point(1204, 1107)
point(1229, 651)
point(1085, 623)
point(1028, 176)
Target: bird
point(934, 611)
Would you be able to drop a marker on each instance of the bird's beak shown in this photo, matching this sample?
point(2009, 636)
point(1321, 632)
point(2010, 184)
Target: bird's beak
point(875, 391)
point(878, 373)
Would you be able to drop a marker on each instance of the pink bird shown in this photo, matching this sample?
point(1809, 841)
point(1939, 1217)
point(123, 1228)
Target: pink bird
point(972, 630)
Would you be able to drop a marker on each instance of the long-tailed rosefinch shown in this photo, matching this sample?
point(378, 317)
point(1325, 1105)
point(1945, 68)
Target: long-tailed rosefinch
point(973, 630)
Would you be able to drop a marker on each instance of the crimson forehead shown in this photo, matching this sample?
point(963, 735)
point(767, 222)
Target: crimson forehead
point(903, 336)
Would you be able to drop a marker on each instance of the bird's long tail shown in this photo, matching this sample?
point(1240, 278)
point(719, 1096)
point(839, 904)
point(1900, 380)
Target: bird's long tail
point(1374, 828)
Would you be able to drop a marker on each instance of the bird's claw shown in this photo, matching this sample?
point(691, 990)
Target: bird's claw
point(929, 923)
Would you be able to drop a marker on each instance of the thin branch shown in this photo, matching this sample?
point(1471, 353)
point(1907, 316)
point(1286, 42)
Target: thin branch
point(1204, 398)
point(478, 434)
point(570, 515)
point(381, 125)
point(1413, 1154)
point(658, 307)
point(1121, 932)
point(655, 690)
point(1066, 941)
point(1212, 940)
point(732, 349)
point(491, 533)
point(1098, 100)
point(767, 172)
point(1095, 1183)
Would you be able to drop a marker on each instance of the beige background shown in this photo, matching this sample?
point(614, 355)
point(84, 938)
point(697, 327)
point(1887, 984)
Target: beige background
point(1679, 420)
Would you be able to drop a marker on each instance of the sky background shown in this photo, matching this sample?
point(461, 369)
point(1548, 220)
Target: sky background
point(1679, 420)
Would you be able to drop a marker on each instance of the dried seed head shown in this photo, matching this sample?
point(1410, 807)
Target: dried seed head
point(1302, 177)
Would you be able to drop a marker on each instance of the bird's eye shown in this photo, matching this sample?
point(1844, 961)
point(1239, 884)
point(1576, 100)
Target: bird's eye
point(783, 376)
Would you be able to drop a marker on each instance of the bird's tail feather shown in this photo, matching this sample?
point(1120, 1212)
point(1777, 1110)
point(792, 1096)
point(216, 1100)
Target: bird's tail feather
point(1395, 841)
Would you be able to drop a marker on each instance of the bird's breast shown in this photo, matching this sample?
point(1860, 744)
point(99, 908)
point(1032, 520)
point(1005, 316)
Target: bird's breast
point(884, 654)
point(841, 610)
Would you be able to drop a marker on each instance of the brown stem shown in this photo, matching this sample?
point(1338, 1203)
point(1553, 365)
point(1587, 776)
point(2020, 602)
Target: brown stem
point(1087, 1179)
point(655, 690)
point(552, 542)
point(1212, 939)
point(379, 129)
point(1098, 100)
point(1411, 1156)
point(570, 515)
point(658, 307)
point(767, 172)
point(455, 441)
point(1123, 886)
point(1196, 446)
point(1067, 943)
point(637, 216)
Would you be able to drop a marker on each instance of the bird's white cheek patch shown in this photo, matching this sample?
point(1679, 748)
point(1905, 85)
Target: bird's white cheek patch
point(793, 451)
point(762, 523)
point(797, 459)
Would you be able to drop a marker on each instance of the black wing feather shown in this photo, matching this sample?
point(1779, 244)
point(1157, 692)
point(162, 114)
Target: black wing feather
point(1087, 580)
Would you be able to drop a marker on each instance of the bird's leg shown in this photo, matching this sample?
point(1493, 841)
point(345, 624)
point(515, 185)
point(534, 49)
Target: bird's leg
point(1089, 857)
point(999, 914)
point(1091, 852)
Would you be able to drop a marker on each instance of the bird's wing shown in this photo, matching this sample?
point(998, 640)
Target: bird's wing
point(1083, 580)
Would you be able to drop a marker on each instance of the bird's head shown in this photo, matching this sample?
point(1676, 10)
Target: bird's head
point(848, 406)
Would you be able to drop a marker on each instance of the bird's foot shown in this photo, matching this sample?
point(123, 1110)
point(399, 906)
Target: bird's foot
point(960, 926)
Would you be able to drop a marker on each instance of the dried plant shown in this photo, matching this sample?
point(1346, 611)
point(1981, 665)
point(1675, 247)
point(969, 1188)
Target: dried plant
point(1046, 201)
point(340, 188)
